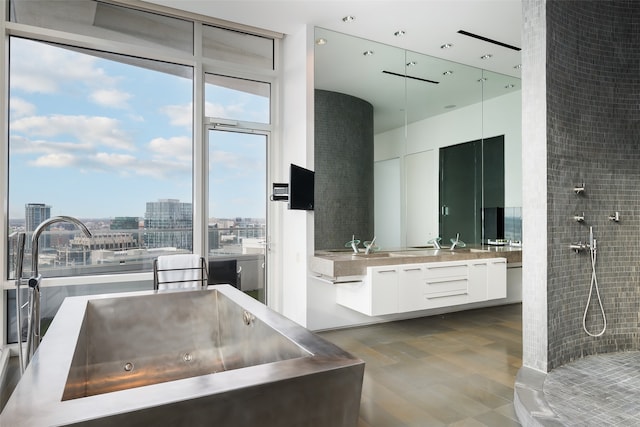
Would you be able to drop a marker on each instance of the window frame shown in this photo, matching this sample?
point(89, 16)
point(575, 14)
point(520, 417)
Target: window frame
point(201, 123)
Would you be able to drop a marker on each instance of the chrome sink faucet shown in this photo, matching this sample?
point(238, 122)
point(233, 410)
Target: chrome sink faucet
point(457, 242)
point(435, 242)
point(33, 328)
point(369, 245)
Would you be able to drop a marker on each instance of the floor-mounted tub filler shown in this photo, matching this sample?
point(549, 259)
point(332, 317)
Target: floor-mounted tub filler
point(183, 358)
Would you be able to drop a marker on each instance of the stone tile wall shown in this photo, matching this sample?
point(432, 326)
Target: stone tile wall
point(593, 137)
point(343, 169)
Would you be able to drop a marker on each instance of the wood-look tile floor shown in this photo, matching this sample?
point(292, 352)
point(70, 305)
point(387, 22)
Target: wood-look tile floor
point(455, 369)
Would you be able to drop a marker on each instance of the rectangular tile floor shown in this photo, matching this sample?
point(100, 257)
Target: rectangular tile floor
point(454, 369)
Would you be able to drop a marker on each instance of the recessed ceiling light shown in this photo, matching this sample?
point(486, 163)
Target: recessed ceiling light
point(487, 56)
point(368, 53)
point(349, 18)
point(321, 41)
point(446, 46)
point(399, 33)
point(447, 73)
point(412, 64)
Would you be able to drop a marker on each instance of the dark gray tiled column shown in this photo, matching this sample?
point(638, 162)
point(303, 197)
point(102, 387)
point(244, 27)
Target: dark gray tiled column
point(344, 169)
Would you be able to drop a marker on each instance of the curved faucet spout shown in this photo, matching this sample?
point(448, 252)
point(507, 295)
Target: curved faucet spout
point(40, 228)
point(33, 324)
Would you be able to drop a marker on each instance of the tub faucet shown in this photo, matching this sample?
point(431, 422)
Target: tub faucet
point(33, 328)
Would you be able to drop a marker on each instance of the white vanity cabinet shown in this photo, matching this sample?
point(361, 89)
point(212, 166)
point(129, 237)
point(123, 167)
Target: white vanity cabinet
point(413, 287)
point(375, 295)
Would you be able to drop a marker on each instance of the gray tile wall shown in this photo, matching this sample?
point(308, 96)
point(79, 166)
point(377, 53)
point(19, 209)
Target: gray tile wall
point(343, 169)
point(593, 136)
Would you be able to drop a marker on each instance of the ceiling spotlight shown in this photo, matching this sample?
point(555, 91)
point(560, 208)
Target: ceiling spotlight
point(487, 56)
point(399, 33)
point(510, 86)
point(482, 80)
point(321, 41)
point(447, 73)
point(367, 53)
point(517, 67)
point(446, 46)
point(349, 18)
point(412, 64)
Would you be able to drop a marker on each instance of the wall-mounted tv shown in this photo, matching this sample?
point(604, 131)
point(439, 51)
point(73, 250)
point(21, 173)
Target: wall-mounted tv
point(301, 188)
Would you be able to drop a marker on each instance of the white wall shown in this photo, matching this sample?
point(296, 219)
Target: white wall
point(293, 243)
point(387, 202)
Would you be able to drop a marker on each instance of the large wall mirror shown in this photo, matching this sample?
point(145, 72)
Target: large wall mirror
point(446, 139)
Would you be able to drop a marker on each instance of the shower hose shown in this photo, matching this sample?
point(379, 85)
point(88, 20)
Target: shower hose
point(594, 283)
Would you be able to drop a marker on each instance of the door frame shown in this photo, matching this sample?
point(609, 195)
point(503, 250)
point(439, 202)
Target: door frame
point(249, 129)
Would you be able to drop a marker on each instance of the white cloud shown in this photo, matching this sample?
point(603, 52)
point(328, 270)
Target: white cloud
point(20, 108)
point(91, 130)
point(115, 160)
point(178, 148)
point(219, 110)
point(179, 115)
point(226, 158)
point(54, 67)
point(22, 145)
point(112, 98)
point(55, 160)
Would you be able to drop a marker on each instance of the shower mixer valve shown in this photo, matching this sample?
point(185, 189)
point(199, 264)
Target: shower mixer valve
point(580, 247)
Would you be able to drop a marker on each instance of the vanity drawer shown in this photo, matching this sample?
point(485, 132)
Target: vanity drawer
point(445, 270)
point(447, 285)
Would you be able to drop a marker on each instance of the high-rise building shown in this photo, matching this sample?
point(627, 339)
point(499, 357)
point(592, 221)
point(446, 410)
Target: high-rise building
point(35, 214)
point(168, 223)
point(129, 223)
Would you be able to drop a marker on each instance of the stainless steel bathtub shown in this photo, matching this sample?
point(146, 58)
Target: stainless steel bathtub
point(212, 357)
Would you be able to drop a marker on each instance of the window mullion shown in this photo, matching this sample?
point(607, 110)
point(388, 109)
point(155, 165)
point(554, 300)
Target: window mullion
point(200, 152)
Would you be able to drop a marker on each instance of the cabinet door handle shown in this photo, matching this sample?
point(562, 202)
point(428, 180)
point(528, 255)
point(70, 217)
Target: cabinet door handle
point(447, 279)
point(449, 295)
point(385, 271)
point(412, 269)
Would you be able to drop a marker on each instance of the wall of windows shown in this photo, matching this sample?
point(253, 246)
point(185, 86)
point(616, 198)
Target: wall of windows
point(106, 121)
point(94, 136)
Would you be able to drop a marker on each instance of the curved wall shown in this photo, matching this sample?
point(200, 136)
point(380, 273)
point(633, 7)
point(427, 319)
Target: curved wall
point(343, 161)
point(593, 136)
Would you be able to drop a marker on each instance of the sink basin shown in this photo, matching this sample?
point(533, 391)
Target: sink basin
point(434, 252)
point(378, 255)
point(373, 255)
point(424, 252)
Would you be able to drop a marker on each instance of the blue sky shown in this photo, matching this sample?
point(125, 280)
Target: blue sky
point(96, 138)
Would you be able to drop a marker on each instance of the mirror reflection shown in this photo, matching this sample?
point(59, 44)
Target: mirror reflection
point(446, 146)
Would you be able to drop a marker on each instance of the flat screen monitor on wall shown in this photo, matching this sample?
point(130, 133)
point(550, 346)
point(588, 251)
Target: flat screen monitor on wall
point(301, 188)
